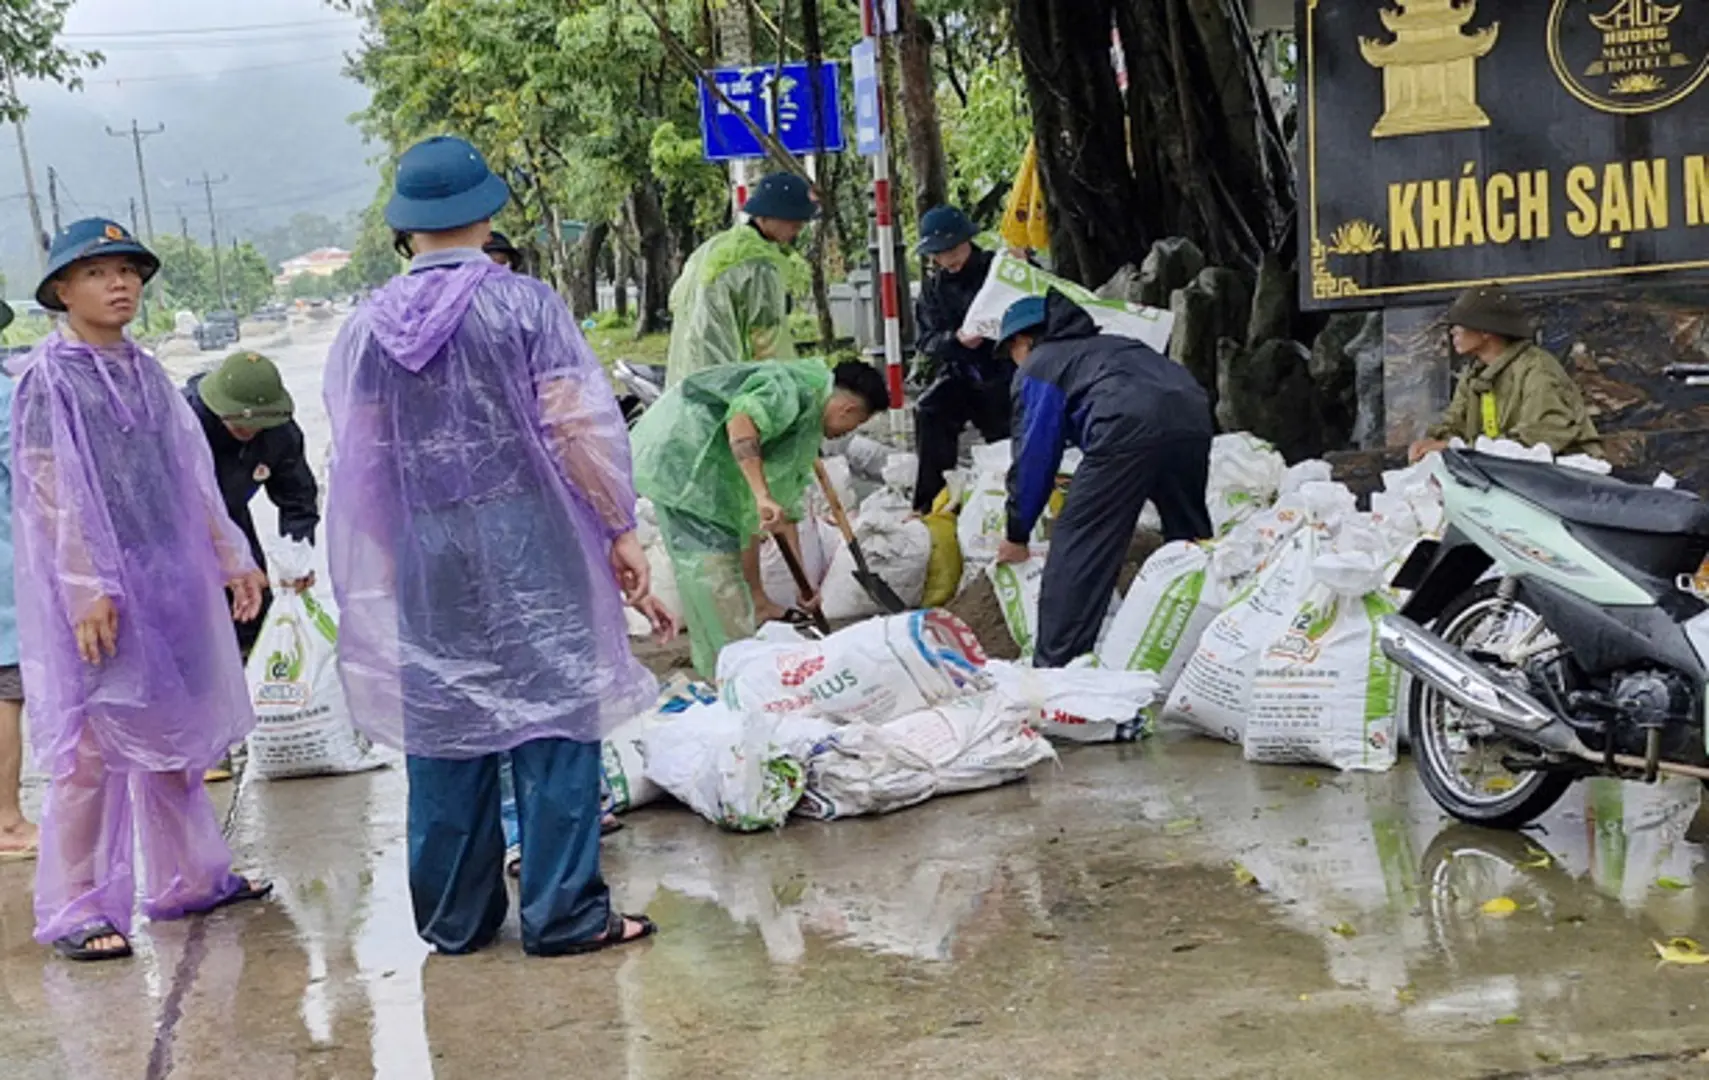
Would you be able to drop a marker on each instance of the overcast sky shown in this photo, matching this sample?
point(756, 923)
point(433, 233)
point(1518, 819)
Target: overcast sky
point(212, 36)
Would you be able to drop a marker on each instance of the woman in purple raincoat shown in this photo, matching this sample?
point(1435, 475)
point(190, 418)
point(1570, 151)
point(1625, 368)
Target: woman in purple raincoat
point(480, 533)
point(123, 548)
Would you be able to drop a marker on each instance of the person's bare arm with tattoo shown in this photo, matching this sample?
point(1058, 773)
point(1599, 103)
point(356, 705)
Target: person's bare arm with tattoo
point(745, 447)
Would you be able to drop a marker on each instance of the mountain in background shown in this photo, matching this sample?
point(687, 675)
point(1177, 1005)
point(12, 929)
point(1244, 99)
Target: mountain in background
point(283, 136)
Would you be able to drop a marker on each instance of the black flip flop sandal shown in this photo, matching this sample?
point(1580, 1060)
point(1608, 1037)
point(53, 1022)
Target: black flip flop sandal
point(613, 936)
point(249, 892)
point(609, 823)
point(75, 946)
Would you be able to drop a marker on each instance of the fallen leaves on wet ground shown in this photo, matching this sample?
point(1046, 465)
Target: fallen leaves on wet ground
point(1681, 950)
point(1500, 908)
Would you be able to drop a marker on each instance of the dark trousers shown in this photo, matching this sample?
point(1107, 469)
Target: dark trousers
point(942, 413)
point(248, 632)
point(456, 848)
point(1091, 538)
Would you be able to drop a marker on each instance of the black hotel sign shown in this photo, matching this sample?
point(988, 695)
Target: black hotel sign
point(1544, 144)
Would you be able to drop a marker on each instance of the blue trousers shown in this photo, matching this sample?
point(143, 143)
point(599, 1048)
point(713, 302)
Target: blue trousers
point(507, 808)
point(456, 848)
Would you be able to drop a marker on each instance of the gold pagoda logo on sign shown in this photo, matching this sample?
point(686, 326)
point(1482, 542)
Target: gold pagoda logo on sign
point(1629, 56)
point(1430, 74)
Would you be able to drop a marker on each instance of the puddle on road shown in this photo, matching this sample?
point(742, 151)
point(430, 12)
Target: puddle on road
point(1170, 902)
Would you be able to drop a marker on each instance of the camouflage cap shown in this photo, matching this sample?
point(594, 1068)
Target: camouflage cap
point(246, 390)
point(1489, 309)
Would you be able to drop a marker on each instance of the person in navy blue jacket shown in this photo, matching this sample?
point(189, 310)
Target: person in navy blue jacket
point(1144, 425)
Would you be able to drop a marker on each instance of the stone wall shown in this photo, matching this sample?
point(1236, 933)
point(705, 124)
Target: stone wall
point(1614, 345)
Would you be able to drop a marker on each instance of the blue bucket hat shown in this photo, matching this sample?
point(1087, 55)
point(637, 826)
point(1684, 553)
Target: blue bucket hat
point(89, 239)
point(943, 228)
point(444, 184)
point(784, 196)
point(1025, 314)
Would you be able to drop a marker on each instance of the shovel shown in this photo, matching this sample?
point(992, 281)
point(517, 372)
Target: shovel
point(801, 583)
point(875, 587)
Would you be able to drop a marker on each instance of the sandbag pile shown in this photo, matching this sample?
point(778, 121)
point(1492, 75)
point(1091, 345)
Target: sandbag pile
point(1266, 636)
point(874, 718)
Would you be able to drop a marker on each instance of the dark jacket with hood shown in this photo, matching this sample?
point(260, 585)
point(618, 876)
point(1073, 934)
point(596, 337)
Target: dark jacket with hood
point(944, 300)
point(1095, 391)
point(274, 460)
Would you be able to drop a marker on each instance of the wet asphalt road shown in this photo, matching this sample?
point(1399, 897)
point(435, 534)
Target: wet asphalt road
point(1156, 911)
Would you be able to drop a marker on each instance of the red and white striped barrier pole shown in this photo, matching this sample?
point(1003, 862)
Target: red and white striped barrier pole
point(884, 210)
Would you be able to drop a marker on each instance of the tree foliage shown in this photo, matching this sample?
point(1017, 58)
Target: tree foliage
point(188, 281)
point(30, 49)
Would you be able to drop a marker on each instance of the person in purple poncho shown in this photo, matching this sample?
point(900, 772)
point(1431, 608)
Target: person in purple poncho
point(480, 534)
point(123, 550)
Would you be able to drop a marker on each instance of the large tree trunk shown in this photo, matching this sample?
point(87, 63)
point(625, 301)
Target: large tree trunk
point(1221, 170)
point(653, 238)
point(1208, 163)
point(1097, 211)
point(584, 280)
point(920, 109)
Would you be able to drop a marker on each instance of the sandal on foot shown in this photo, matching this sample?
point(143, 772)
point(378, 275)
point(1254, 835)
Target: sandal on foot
point(250, 891)
point(608, 824)
point(75, 946)
point(615, 926)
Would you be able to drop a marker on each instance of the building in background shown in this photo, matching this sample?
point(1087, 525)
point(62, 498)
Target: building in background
point(321, 262)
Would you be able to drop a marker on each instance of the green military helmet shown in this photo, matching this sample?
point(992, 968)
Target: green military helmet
point(246, 390)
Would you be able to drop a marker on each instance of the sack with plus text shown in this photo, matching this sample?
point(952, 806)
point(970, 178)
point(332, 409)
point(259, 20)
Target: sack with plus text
point(871, 672)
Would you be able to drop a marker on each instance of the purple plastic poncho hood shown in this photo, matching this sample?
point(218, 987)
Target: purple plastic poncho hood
point(114, 496)
point(480, 472)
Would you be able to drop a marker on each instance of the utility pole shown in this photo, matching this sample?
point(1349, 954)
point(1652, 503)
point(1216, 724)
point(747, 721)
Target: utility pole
point(41, 237)
point(145, 290)
point(208, 183)
point(53, 195)
point(136, 135)
point(184, 227)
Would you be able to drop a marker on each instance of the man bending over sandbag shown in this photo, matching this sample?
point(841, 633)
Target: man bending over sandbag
point(1143, 423)
point(728, 452)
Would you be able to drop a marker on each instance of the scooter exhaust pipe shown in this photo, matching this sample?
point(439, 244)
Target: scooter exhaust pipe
point(1448, 671)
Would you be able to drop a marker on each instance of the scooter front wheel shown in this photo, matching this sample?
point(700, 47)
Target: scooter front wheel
point(1459, 756)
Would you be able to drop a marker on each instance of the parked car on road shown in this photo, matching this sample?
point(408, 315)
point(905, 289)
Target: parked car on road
point(217, 330)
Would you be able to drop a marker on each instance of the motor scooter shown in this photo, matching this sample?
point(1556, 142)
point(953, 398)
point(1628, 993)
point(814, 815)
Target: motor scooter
point(1558, 630)
point(643, 385)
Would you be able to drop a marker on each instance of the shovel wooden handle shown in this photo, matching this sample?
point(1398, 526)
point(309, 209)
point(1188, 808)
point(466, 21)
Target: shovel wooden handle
point(840, 515)
point(802, 585)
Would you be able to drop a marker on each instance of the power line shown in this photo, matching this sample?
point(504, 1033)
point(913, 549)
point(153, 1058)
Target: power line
point(185, 76)
point(193, 31)
point(216, 43)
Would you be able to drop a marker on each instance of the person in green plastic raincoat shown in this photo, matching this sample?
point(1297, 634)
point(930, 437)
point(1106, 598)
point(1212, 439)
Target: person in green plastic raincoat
point(730, 305)
point(727, 454)
point(1513, 389)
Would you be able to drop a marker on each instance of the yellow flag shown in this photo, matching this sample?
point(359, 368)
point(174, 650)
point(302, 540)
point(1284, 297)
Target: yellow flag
point(1023, 222)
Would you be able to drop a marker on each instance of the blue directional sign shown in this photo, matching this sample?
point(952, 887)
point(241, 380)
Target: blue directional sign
point(727, 138)
point(869, 131)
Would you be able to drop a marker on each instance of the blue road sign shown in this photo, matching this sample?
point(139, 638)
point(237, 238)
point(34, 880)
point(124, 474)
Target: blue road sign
point(869, 131)
point(727, 138)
